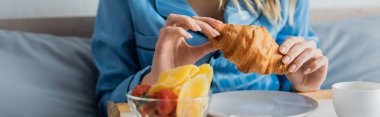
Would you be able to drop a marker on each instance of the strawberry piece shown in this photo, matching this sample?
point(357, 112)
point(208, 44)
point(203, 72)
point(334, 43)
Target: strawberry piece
point(140, 90)
point(165, 107)
point(151, 95)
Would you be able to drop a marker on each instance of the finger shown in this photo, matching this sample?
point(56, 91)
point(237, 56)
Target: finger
point(171, 36)
point(317, 64)
point(177, 31)
point(296, 50)
point(207, 29)
point(202, 50)
point(211, 21)
point(288, 43)
point(303, 58)
point(183, 22)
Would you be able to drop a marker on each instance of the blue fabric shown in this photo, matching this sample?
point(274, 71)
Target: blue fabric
point(126, 33)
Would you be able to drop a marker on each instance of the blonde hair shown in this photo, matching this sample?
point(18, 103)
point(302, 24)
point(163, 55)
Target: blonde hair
point(270, 8)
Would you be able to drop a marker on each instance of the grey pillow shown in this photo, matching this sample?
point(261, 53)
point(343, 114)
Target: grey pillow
point(353, 48)
point(46, 76)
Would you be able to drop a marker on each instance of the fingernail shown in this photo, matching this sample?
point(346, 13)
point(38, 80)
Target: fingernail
point(219, 22)
point(286, 59)
point(307, 71)
point(292, 68)
point(198, 28)
point(216, 33)
point(282, 50)
point(189, 35)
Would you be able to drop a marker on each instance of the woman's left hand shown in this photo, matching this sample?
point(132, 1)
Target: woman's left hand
point(307, 64)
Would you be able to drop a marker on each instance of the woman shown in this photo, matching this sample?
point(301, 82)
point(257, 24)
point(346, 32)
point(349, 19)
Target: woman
point(135, 40)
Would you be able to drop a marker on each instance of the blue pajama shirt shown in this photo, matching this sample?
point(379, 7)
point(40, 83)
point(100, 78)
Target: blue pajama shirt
point(126, 32)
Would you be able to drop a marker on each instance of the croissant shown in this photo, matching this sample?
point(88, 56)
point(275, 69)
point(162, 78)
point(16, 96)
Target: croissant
point(250, 48)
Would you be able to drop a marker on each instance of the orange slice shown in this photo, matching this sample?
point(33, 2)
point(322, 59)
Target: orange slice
point(176, 90)
point(207, 70)
point(156, 87)
point(174, 77)
point(196, 87)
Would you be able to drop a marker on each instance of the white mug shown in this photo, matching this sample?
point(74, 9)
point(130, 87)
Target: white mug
point(356, 99)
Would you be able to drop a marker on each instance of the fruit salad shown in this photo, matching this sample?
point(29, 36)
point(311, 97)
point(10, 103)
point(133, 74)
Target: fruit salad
point(180, 92)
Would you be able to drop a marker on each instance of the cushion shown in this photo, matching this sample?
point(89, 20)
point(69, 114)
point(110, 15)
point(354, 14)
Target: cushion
point(46, 76)
point(352, 47)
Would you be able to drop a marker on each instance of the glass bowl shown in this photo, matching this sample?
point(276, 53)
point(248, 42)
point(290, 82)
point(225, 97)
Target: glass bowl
point(150, 107)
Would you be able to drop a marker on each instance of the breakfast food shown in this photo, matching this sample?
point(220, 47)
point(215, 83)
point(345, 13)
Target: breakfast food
point(180, 92)
point(250, 48)
point(195, 88)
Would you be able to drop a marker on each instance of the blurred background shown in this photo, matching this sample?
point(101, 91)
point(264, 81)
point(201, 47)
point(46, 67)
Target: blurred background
point(47, 8)
point(72, 8)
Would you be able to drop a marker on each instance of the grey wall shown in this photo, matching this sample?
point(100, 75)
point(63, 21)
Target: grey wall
point(73, 8)
point(47, 8)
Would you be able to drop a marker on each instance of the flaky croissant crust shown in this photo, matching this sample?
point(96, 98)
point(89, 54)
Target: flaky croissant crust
point(250, 48)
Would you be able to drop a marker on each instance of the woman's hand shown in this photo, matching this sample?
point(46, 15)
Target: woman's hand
point(307, 64)
point(171, 48)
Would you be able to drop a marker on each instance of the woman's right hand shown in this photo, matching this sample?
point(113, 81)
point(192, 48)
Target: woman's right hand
point(171, 48)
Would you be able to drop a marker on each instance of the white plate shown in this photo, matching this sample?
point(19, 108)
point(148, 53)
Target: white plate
point(261, 103)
